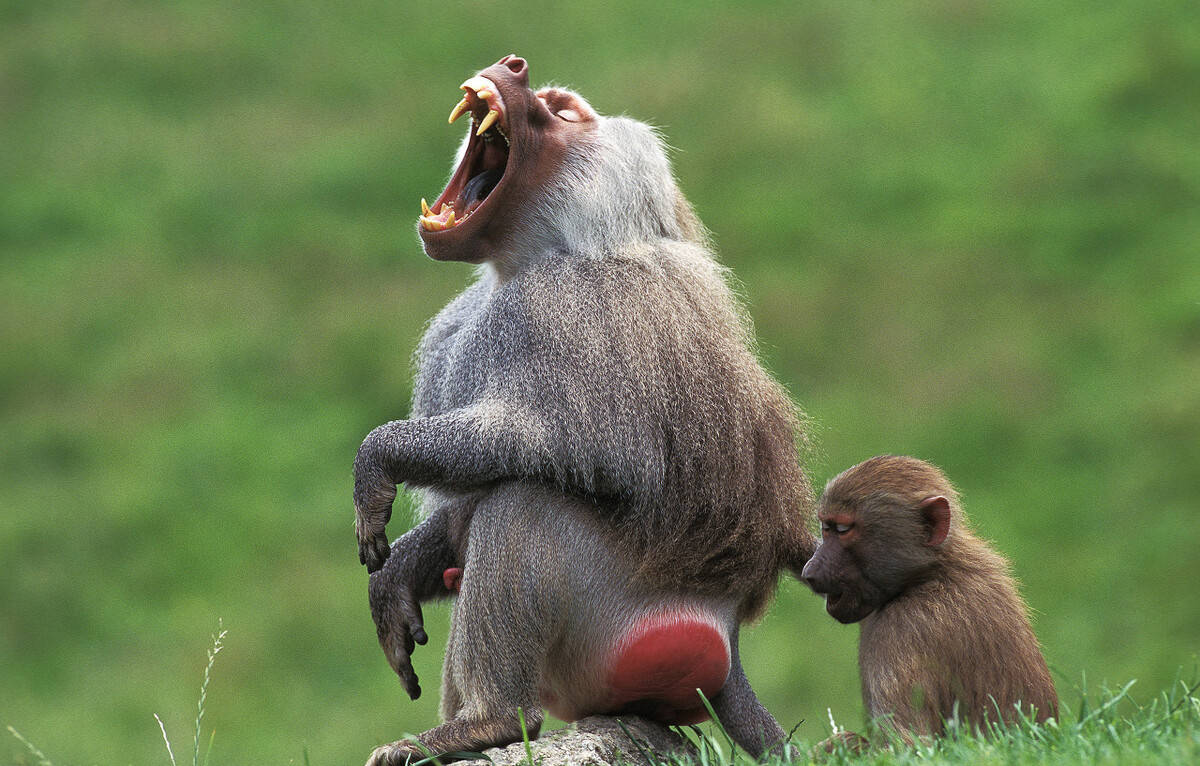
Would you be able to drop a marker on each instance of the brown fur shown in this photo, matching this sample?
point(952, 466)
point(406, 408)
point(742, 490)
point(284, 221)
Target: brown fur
point(594, 434)
point(944, 632)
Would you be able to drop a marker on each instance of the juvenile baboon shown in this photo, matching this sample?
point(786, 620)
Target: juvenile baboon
point(944, 632)
point(604, 462)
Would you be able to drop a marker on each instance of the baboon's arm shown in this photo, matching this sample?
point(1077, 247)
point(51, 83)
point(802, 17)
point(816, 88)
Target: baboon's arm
point(469, 448)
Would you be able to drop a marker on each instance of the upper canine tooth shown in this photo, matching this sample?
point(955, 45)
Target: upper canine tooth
point(459, 109)
point(487, 122)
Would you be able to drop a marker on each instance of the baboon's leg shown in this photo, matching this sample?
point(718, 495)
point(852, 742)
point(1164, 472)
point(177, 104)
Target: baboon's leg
point(741, 714)
point(500, 635)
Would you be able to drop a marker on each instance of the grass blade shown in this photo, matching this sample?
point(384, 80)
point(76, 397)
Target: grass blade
point(163, 729)
point(42, 759)
point(218, 645)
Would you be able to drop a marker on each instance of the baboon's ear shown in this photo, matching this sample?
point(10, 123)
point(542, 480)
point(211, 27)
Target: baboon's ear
point(936, 511)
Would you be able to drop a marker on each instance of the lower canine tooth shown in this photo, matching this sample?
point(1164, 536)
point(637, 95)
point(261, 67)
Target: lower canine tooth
point(488, 121)
point(425, 207)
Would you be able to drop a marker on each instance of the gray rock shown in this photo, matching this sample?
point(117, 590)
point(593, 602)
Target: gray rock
point(596, 741)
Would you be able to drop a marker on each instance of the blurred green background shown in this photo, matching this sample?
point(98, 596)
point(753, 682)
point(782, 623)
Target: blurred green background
point(966, 231)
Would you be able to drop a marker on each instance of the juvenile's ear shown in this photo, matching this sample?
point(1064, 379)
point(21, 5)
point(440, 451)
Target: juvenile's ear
point(936, 511)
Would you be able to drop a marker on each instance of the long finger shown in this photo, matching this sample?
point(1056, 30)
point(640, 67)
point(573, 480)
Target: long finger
point(410, 610)
point(402, 664)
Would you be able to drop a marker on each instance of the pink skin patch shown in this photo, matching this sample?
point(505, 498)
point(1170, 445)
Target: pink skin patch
point(662, 662)
point(655, 670)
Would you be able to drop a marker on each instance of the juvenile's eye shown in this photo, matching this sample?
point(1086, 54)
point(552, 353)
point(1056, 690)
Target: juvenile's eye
point(837, 527)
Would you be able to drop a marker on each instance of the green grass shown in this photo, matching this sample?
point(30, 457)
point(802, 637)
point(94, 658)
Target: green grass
point(217, 645)
point(966, 231)
point(1107, 727)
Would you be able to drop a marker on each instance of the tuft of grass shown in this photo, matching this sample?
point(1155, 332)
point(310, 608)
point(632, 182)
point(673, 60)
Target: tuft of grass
point(1107, 728)
point(218, 643)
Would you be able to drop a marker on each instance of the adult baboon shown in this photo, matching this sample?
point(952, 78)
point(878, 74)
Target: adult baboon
point(605, 462)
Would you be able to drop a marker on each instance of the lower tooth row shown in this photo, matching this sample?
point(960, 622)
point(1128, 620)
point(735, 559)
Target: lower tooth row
point(429, 223)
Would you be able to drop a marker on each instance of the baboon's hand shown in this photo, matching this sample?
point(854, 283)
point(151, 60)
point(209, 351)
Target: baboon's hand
point(373, 547)
point(400, 628)
point(399, 625)
point(374, 493)
point(397, 754)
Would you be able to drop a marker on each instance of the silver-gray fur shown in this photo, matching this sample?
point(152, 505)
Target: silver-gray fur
point(589, 417)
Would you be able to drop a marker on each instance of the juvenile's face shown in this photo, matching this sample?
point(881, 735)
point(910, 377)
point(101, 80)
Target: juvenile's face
point(836, 570)
point(882, 525)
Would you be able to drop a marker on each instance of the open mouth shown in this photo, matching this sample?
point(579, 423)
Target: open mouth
point(483, 162)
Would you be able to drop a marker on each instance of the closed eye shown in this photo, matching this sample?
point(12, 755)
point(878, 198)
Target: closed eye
point(837, 528)
point(565, 105)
